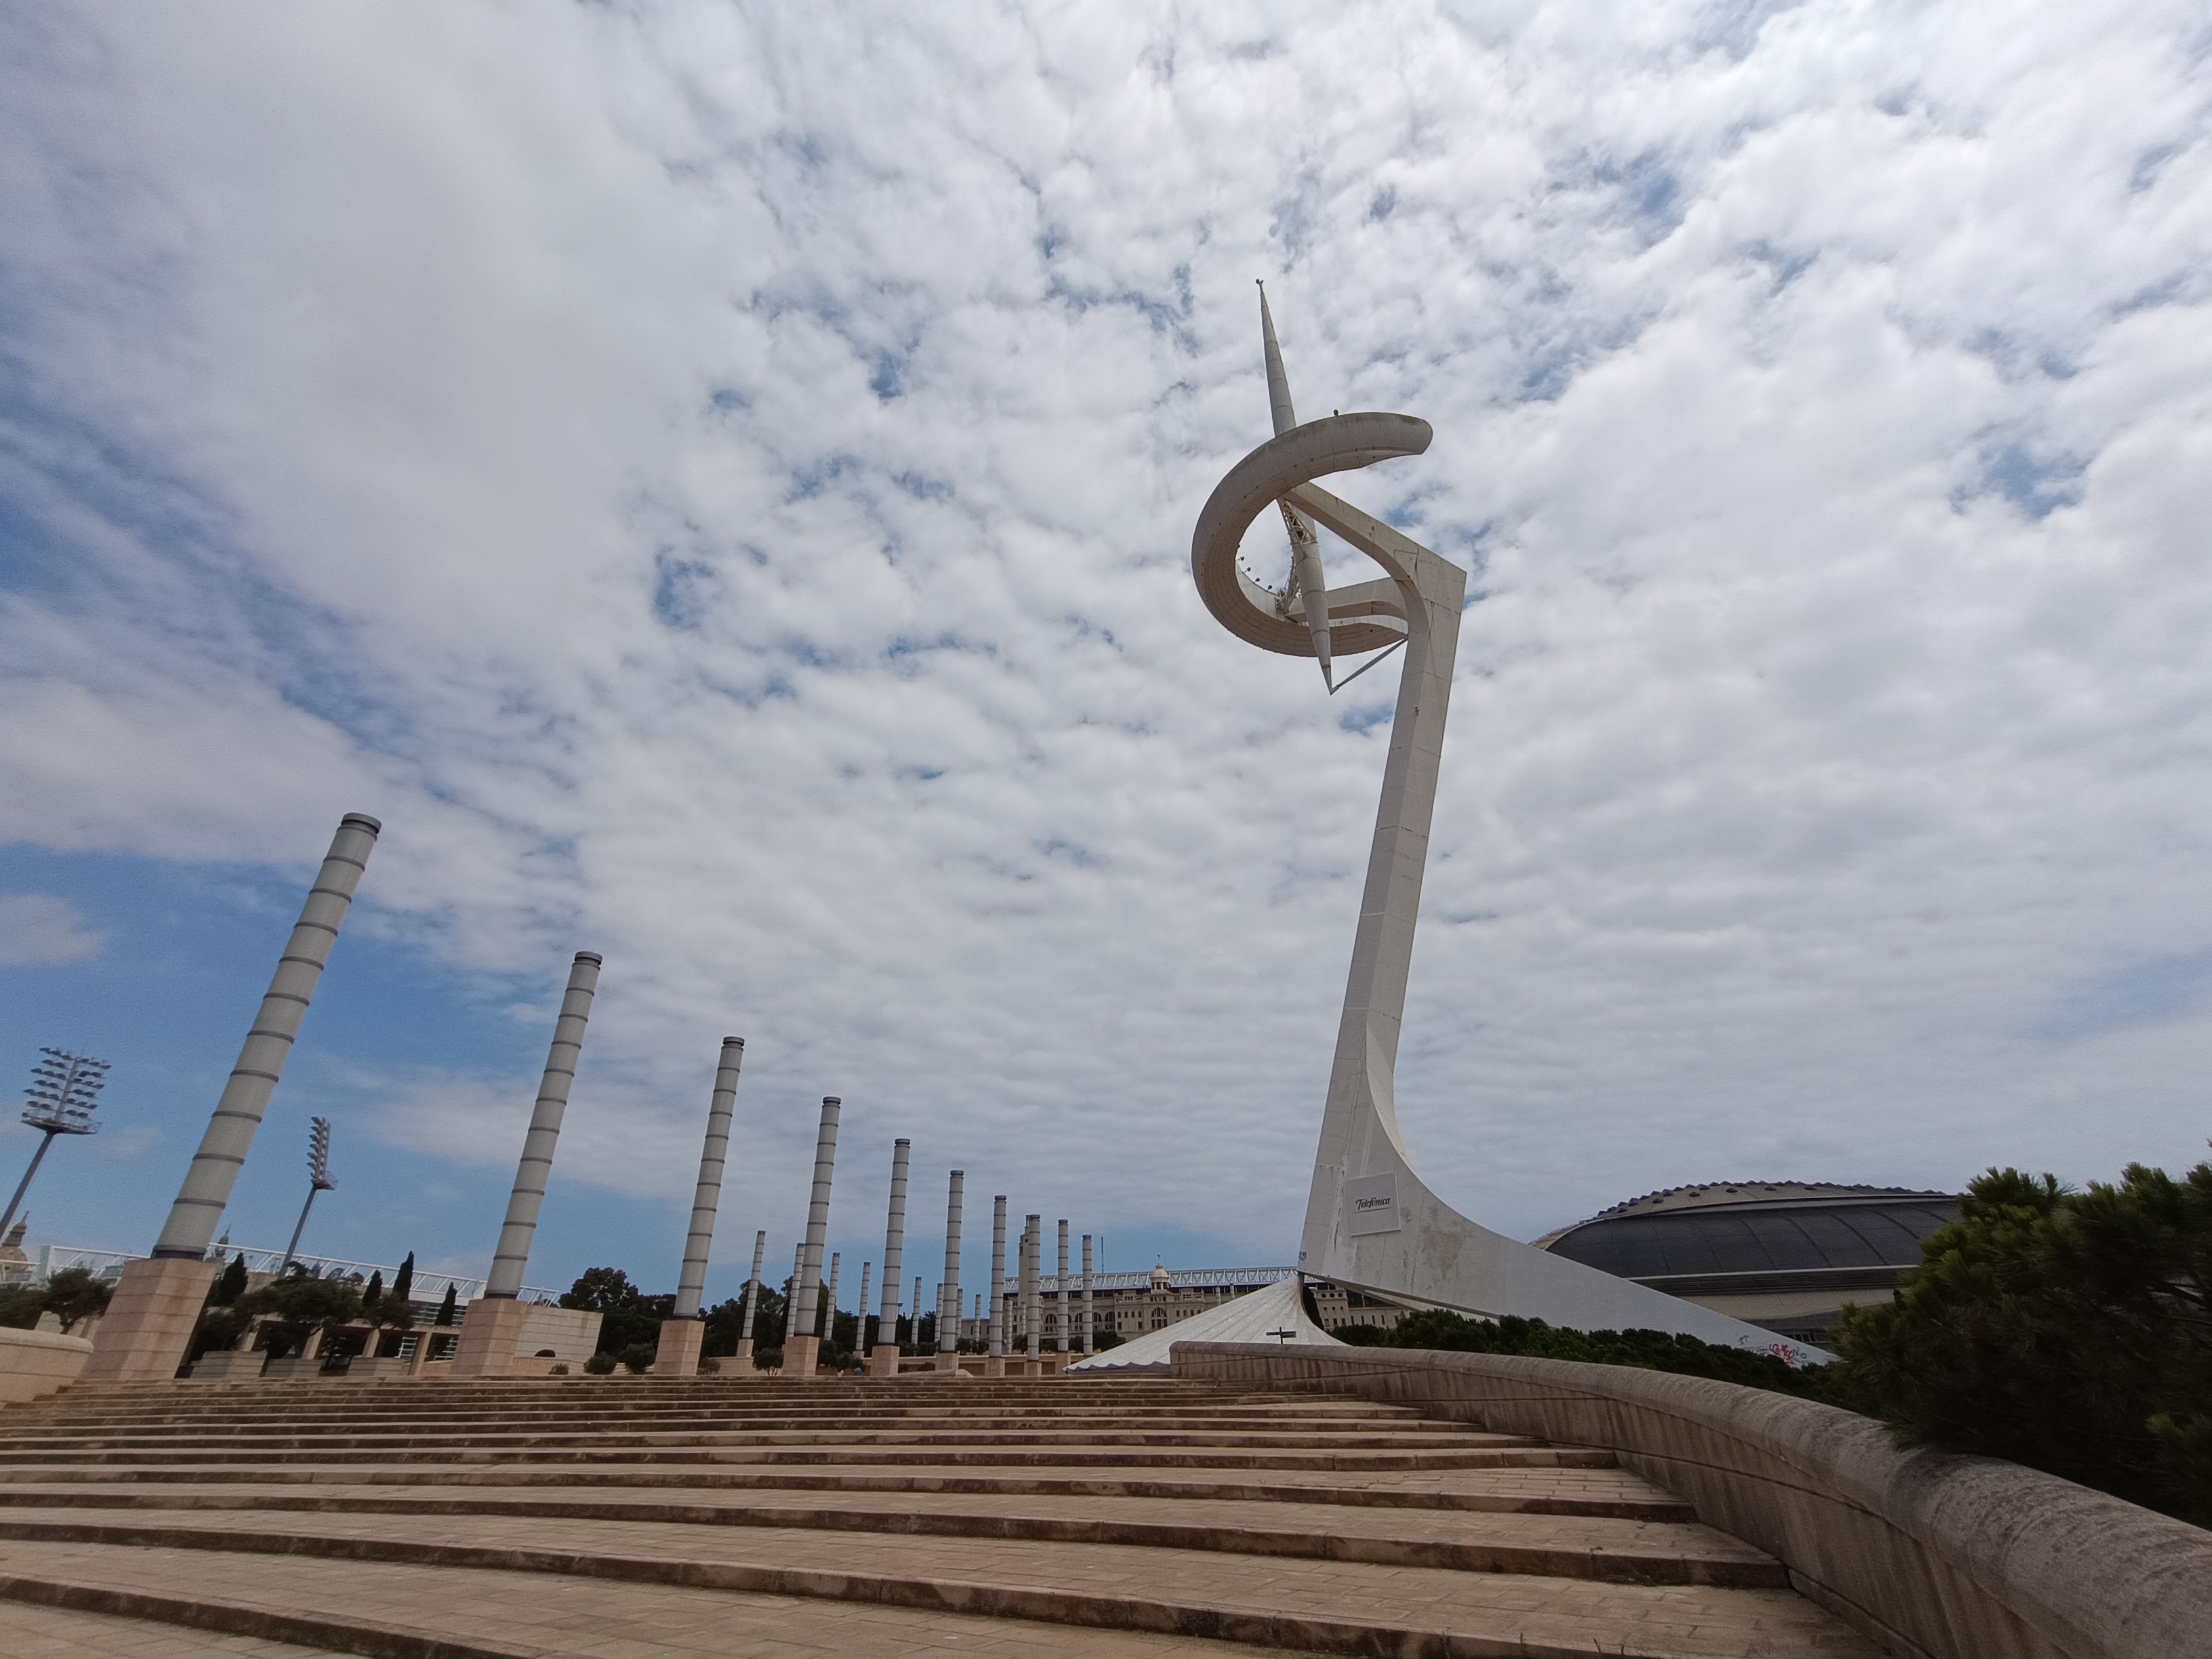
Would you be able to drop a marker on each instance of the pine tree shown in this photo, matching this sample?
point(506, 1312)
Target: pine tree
point(446, 1307)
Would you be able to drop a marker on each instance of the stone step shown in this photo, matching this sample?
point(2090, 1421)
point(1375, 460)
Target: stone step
point(391, 1443)
point(1603, 1492)
point(1324, 1605)
point(671, 1423)
point(1082, 1455)
point(1616, 1551)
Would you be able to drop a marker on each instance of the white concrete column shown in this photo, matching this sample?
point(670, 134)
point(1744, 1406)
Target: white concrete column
point(1087, 1328)
point(237, 1115)
point(1064, 1302)
point(883, 1361)
point(995, 1365)
point(860, 1314)
point(504, 1282)
point(803, 1346)
point(1032, 1260)
point(948, 1298)
point(708, 1199)
point(752, 1297)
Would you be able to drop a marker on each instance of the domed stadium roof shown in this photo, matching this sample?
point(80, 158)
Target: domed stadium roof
point(1757, 1227)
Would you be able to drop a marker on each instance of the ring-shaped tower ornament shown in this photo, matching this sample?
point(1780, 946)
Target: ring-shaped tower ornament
point(1371, 1224)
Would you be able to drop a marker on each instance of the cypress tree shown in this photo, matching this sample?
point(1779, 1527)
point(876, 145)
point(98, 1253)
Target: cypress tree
point(403, 1282)
point(231, 1284)
point(446, 1307)
point(374, 1293)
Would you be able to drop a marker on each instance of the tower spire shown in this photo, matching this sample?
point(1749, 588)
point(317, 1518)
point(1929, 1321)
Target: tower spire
point(1279, 383)
point(1307, 582)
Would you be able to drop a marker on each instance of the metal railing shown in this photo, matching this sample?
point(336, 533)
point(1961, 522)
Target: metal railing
point(427, 1287)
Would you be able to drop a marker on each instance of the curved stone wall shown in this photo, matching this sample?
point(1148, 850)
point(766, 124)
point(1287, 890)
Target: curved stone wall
point(1938, 1556)
point(34, 1362)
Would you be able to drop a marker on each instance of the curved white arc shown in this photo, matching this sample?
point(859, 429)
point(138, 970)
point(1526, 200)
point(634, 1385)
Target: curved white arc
point(1339, 444)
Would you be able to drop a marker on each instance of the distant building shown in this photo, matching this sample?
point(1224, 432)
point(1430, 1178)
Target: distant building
point(1783, 1255)
point(1131, 1304)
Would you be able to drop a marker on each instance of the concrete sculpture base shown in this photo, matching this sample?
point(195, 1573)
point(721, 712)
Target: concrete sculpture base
point(801, 1354)
point(678, 1353)
point(491, 1330)
point(884, 1359)
point(147, 1327)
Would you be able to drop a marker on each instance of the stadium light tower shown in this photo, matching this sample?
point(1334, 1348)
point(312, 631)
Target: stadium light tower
point(318, 1176)
point(63, 1087)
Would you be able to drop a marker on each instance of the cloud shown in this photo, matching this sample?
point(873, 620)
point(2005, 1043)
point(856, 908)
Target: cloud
point(718, 486)
point(40, 927)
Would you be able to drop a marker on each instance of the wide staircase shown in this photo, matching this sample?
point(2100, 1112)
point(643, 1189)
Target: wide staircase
point(611, 1517)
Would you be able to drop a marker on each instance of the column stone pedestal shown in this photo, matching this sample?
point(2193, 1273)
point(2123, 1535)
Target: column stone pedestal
point(800, 1356)
point(883, 1359)
point(744, 1354)
point(948, 1362)
point(678, 1353)
point(147, 1327)
point(490, 1331)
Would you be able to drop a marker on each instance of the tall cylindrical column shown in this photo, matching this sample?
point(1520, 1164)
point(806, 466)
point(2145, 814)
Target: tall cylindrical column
point(917, 1310)
point(860, 1310)
point(505, 1280)
point(1064, 1303)
point(883, 1360)
point(828, 1320)
point(948, 1299)
point(692, 1283)
point(808, 1296)
point(996, 1364)
point(1032, 1260)
point(1086, 1297)
point(237, 1115)
point(752, 1297)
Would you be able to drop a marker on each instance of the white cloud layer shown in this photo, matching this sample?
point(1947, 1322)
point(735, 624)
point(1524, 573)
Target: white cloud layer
point(717, 483)
point(42, 928)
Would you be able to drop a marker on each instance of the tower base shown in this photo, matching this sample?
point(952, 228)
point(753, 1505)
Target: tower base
point(147, 1327)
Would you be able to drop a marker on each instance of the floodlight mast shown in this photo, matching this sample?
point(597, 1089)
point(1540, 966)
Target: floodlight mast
point(318, 1177)
point(63, 1087)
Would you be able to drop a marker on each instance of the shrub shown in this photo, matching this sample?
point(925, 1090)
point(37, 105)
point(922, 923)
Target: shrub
point(2069, 1331)
point(600, 1365)
point(638, 1357)
point(768, 1359)
point(1650, 1351)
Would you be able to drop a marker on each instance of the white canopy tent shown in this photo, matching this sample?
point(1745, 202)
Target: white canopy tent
point(1261, 1317)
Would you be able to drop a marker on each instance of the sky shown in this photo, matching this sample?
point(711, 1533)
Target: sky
point(716, 481)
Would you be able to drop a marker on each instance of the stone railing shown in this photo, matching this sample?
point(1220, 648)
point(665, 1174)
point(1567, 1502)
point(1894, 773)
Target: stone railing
point(1933, 1555)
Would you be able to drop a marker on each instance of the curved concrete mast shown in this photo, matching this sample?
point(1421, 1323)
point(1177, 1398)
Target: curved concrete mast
point(1371, 1221)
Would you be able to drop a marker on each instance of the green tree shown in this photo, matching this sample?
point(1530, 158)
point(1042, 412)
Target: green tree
point(403, 1284)
point(2070, 1331)
point(374, 1293)
point(74, 1295)
point(303, 1307)
point(629, 1318)
point(448, 1309)
point(21, 1306)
